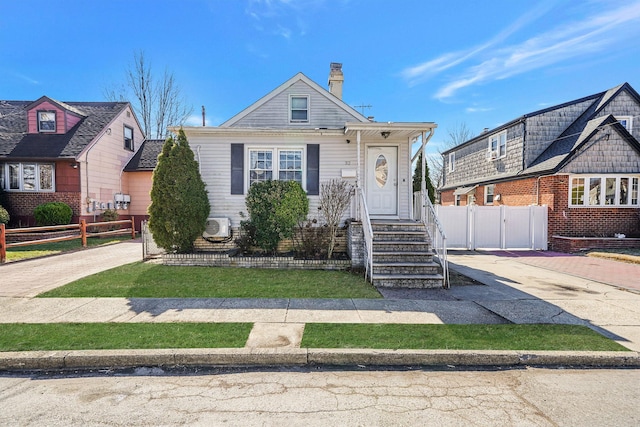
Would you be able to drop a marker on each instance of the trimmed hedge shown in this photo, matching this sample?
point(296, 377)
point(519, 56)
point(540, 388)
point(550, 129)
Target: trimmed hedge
point(53, 213)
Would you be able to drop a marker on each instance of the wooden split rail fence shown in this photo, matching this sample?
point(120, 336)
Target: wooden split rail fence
point(80, 234)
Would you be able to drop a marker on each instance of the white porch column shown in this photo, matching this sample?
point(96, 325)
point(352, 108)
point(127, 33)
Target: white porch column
point(358, 175)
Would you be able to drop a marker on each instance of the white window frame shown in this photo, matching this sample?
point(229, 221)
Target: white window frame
point(500, 145)
point(55, 121)
point(291, 109)
point(488, 193)
point(633, 184)
point(275, 162)
point(5, 177)
point(452, 161)
point(629, 122)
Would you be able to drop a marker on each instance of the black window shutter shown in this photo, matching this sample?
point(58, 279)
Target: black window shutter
point(237, 168)
point(313, 169)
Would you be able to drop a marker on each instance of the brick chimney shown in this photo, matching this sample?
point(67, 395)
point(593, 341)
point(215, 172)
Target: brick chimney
point(336, 78)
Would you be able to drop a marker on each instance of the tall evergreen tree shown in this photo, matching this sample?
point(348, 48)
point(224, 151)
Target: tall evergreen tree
point(179, 203)
point(417, 180)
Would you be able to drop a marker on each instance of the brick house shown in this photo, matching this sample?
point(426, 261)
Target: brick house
point(73, 152)
point(581, 159)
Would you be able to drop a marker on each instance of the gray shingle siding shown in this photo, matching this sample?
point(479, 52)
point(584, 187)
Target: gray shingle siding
point(275, 112)
point(607, 152)
point(471, 159)
point(544, 128)
point(624, 105)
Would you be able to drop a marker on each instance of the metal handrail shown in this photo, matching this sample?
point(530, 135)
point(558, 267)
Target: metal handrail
point(436, 232)
point(363, 212)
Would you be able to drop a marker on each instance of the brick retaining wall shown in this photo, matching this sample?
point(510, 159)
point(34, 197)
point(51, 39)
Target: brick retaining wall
point(224, 260)
point(575, 244)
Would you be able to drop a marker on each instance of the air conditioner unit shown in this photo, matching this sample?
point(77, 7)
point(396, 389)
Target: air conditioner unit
point(493, 154)
point(216, 227)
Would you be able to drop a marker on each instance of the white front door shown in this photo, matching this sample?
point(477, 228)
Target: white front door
point(382, 180)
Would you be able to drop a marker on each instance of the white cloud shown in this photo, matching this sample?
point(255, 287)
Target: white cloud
point(477, 110)
point(591, 35)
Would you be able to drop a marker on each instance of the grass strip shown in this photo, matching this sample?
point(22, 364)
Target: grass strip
point(457, 337)
point(146, 280)
point(102, 336)
point(46, 249)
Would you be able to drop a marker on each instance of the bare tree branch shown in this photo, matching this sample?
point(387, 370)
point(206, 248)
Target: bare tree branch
point(455, 136)
point(158, 103)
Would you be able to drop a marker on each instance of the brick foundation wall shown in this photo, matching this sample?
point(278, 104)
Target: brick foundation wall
point(575, 244)
point(224, 260)
point(355, 245)
point(23, 203)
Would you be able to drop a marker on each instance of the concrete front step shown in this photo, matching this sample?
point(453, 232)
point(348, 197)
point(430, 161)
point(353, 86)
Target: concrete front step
point(395, 246)
point(397, 226)
point(425, 281)
point(385, 257)
point(418, 268)
point(400, 236)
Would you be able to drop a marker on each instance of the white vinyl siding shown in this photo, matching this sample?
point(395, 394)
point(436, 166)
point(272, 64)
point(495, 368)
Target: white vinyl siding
point(604, 190)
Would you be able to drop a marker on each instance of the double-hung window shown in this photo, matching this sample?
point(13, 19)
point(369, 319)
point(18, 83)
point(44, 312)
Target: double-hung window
point(604, 190)
point(488, 194)
point(46, 121)
point(299, 111)
point(128, 138)
point(497, 145)
point(286, 164)
point(27, 176)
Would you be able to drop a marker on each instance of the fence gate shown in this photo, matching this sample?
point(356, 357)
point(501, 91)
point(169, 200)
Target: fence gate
point(494, 227)
point(149, 247)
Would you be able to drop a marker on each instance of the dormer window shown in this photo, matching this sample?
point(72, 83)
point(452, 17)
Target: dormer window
point(299, 109)
point(46, 121)
point(626, 121)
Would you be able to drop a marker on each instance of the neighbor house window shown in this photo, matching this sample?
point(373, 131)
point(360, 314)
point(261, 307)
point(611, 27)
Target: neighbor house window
point(605, 190)
point(46, 121)
point(626, 121)
point(27, 176)
point(128, 138)
point(457, 200)
point(288, 167)
point(299, 109)
point(452, 162)
point(497, 145)
point(488, 194)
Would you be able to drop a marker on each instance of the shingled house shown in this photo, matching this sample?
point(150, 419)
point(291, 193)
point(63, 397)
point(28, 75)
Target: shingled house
point(580, 158)
point(73, 152)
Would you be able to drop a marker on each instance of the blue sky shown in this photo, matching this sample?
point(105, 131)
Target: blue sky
point(477, 63)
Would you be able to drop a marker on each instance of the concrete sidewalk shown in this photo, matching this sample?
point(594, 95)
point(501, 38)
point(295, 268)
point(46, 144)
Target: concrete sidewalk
point(511, 292)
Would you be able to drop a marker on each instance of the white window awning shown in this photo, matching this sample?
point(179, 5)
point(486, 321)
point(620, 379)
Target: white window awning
point(460, 191)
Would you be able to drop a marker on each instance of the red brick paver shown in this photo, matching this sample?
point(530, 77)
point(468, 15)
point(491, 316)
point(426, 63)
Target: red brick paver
point(602, 270)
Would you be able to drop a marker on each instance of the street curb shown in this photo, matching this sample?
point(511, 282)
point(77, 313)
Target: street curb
point(272, 357)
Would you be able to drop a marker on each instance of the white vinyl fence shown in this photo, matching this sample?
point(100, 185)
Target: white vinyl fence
point(494, 227)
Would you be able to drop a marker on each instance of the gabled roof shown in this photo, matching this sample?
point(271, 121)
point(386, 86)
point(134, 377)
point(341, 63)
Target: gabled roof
point(15, 142)
point(146, 159)
point(298, 77)
point(600, 100)
point(62, 105)
point(582, 130)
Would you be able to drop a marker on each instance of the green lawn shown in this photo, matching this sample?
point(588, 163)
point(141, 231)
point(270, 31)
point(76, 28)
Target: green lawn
point(456, 337)
point(101, 336)
point(45, 249)
point(146, 280)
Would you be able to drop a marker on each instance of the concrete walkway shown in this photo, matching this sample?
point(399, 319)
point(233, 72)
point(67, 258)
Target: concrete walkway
point(512, 291)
